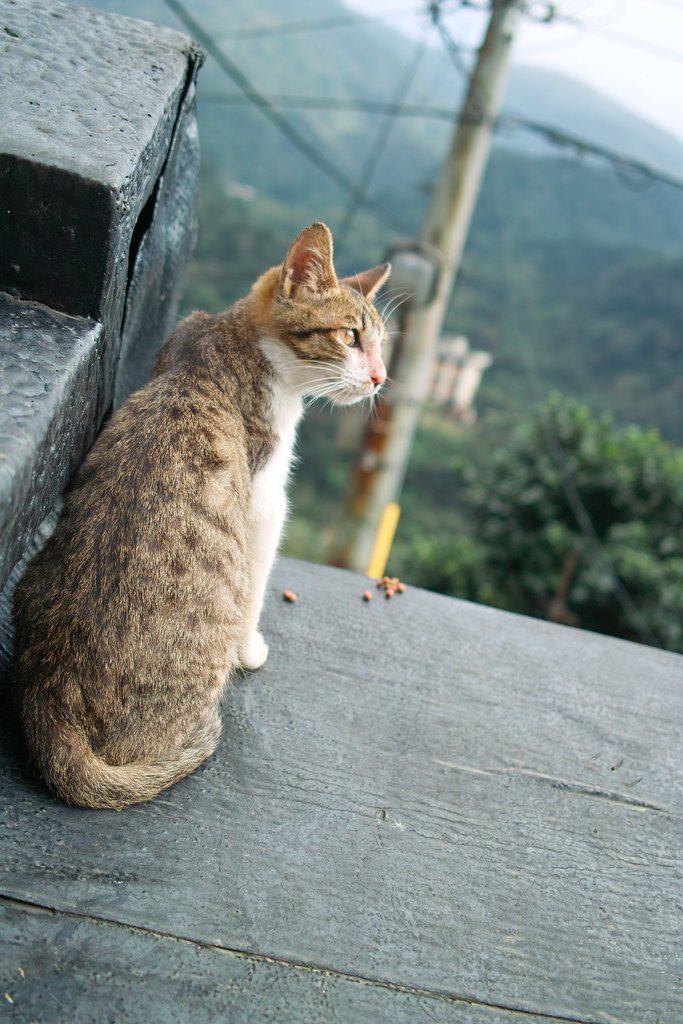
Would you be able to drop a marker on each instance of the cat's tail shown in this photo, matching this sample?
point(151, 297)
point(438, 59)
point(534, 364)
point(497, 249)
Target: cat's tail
point(77, 775)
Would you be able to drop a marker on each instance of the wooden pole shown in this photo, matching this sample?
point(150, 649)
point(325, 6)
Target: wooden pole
point(379, 476)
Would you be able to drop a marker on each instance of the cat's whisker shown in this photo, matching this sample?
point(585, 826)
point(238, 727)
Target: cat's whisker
point(335, 367)
point(339, 392)
point(325, 385)
point(287, 362)
point(330, 385)
point(391, 296)
point(318, 380)
point(329, 400)
point(327, 393)
point(391, 307)
point(399, 298)
point(389, 292)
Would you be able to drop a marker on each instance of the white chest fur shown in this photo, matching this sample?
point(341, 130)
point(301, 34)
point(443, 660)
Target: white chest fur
point(268, 511)
point(268, 496)
point(287, 411)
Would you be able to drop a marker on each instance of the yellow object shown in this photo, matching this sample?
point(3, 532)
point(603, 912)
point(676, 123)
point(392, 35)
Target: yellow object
point(384, 538)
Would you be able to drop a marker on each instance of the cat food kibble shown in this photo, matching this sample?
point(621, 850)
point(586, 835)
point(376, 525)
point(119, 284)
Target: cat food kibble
point(290, 596)
point(391, 585)
point(367, 595)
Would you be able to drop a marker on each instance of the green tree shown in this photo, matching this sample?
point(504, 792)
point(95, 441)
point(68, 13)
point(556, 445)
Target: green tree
point(577, 521)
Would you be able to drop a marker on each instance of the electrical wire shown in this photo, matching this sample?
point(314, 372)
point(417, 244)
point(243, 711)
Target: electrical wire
point(289, 130)
point(356, 192)
point(569, 486)
point(620, 37)
point(410, 110)
point(673, 5)
point(316, 24)
point(554, 136)
point(453, 49)
point(379, 144)
point(552, 15)
point(560, 138)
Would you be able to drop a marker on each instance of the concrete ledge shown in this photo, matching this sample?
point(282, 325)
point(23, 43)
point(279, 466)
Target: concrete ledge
point(164, 246)
point(99, 158)
point(432, 799)
point(91, 102)
point(48, 395)
point(155, 978)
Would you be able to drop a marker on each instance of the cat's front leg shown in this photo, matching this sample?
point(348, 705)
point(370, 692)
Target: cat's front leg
point(254, 652)
point(268, 510)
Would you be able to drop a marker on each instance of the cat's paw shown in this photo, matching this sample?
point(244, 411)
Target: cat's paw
point(254, 653)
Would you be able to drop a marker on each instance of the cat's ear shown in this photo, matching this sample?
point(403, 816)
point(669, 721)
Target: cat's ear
point(308, 268)
point(369, 282)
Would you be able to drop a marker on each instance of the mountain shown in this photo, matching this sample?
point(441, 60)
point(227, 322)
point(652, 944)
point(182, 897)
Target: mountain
point(365, 61)
point(570, 272)
point(556, 99)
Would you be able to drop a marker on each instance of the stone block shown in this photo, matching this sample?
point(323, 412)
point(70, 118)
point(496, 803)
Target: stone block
point(99, 157)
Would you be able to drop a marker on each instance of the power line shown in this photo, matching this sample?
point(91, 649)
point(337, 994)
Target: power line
point(673, 5)
point(379, 144)
point(620, 37)
point(359, 195)
point(411, 110)
point(569, 486)
point(316, 24)
point(554, 136)
point(453, 49)
point(564, 139)
point(289, 130)
point(552, 15)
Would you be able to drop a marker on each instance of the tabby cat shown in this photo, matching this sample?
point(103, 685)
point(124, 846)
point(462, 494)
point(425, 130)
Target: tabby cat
point(148, 595)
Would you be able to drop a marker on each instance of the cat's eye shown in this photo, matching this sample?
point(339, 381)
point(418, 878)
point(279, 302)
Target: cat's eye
point(354, 337)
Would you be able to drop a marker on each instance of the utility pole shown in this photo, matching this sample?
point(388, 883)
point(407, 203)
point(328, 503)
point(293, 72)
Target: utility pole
point(379, 476)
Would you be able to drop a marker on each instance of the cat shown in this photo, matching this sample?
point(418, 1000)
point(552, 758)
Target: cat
point(147, 597)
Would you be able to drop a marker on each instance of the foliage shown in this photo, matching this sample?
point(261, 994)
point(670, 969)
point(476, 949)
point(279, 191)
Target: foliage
point(576, 520)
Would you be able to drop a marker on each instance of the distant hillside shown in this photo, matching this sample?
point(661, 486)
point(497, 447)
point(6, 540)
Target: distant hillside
point(366, 62)
point(557, 99)
point(571, 273)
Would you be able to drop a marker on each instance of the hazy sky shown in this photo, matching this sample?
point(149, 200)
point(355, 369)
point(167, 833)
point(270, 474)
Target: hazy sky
point(649, 83)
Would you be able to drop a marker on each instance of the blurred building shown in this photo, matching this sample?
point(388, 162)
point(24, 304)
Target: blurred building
point(457, 377)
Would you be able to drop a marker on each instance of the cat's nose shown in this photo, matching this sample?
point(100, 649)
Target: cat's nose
point(378, 378)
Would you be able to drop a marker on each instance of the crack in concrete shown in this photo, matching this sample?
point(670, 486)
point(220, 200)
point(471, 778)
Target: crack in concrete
point(578, 788)
point(255, 957)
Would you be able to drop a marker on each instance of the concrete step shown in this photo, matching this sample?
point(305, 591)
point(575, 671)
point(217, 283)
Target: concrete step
point(419, 809)
point(98, 180)
point(48, 413)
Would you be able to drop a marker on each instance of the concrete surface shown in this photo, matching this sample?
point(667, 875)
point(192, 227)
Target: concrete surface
point(98, 176)
point(90, 104)
point(48, 394)
point(420, 808)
